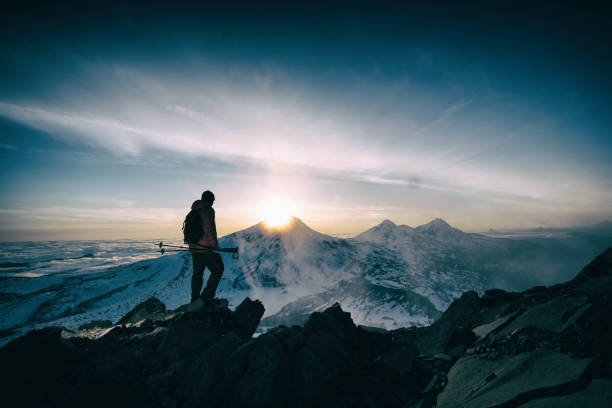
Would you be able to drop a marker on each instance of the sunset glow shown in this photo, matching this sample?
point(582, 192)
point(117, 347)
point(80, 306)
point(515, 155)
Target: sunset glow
point(275, 212)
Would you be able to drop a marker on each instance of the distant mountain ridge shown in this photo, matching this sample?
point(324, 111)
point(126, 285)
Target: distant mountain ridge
point(387, 229)
point(438, 262)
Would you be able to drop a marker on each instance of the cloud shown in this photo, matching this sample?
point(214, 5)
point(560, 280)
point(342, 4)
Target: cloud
point(246, 130)
point(288, 128)
point(50, 216)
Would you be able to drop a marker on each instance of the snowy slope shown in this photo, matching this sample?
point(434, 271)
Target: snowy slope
point(369, 304)
point(68, 299)
point(293, 256)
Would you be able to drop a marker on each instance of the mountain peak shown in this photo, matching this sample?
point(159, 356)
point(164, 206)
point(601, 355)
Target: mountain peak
point(436, 224)
point(387, 223)
point(294, 226)
point(441, 229)
point(297, 222)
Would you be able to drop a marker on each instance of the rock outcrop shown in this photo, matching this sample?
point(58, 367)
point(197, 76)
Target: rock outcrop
point(545, 347)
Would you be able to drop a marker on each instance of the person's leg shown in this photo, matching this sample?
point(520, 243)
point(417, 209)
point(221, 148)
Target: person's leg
point(215, 264)
point(197, 277)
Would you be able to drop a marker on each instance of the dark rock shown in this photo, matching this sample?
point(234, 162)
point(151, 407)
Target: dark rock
point(550, 315)
point(453, 328)
point(189, 333)
point(493, 297)
point(259, 373)
point(333, 321)
point(110, 375)
point(96, 324)
point(598, 268)
point(463, 309)
point(475, 382)
point(322, 358)
point(460, 339)
point(598, 394)
point(484, 330)
point(38, 367)
point(151, 309)
point(399, 359)
point(247, 317)
point(198, 388)
point(194, 331)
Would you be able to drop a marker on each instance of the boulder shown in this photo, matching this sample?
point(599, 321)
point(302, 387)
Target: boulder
point(452, 331)
point(247, 316)
point(551, 315)
point(484, 330)
point(332, 321)
point(189, 333)
point(598, 394)
point(193, 331)
point(477, 382)
point(151, 309)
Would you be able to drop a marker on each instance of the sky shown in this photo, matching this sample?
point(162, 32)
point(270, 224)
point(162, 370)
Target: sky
point(114, 118)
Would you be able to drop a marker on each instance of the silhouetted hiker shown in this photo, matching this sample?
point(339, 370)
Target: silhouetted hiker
point(201, 251)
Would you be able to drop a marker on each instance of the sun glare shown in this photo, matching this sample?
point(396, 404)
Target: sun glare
point(275, 213)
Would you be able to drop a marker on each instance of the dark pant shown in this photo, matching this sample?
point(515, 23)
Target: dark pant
point(201, 260)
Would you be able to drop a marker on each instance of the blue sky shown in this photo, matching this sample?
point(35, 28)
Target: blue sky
point(113, 119)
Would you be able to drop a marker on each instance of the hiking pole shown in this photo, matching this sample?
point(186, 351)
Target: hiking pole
point(233, 251)
point(161, 244)
point(198, 246)
point(201, 248)
point(164, 250)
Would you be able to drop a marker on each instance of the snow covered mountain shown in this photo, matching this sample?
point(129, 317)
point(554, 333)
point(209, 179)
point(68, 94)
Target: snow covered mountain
point(295, 255)
point(368, 303)
point(369, 277)
point(389, 276)
point(434, 260)
point(434, 264)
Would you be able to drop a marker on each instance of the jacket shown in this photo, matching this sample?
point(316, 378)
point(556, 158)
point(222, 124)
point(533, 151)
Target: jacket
point(207, 215)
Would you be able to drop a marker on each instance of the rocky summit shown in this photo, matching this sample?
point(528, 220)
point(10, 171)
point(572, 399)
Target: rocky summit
point(545, 347)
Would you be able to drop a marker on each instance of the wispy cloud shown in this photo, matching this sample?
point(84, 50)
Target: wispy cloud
point(286, 131)
point(253, 131)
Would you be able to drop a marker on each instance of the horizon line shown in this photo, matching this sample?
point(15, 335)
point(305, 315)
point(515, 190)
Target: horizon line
point(334, 235)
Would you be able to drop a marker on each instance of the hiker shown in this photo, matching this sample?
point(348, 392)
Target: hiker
point(202, 253)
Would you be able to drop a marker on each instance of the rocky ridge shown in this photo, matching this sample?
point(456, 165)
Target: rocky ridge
point(545, 347)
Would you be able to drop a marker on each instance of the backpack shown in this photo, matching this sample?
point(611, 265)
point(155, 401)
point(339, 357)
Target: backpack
point(192, 228)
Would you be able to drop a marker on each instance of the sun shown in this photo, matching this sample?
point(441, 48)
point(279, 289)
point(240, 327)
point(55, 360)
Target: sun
point(276, 212)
